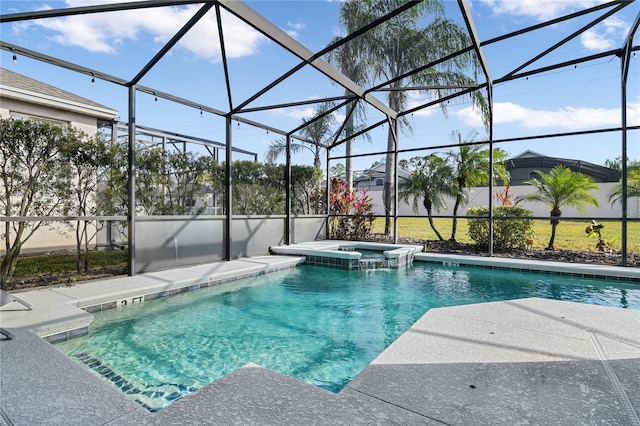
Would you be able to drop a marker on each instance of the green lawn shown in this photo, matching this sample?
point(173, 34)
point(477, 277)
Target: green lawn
point(570, 235)
point(57, 263)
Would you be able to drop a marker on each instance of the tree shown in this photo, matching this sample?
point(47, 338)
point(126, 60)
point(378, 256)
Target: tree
point(260, 188)
point(561, 187)
point(306, 198)
point(633, 187)
point(317, 130)
point(113, 197)
point(87, 160)
point(430, 180)
point(113, 193)
point(167, 182)
point(471, 164)
point(151, 181)
point(339, 171)
point(185, 174)
point(396, 48)
point(616, 164)
point(33, 181)
point(346, 60)
point(257, 188)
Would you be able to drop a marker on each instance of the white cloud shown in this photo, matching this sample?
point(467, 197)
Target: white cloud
point(570, 118)
point(415, 99)
point(300, 113)
point(633, 114)
point(606, 35)
point(603, 36)
point(105, 32)
point(541, 10)
point(593, 40)
point(307, 112)
point(294, 29)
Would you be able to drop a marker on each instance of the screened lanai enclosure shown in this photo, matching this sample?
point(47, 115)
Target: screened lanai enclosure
point(269, 119)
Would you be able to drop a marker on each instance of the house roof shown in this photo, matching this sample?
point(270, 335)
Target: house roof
point(18, 86)
point(378, 171)
point(528, 154)
point(533, 160)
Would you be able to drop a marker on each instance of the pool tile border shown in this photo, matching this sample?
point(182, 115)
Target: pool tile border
point(331, 262)
point(532, 269)
point(66, 335)
point(178, 290)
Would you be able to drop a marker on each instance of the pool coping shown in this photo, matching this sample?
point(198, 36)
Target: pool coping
point(253, 395)
point(607, 272)
point(335, 253)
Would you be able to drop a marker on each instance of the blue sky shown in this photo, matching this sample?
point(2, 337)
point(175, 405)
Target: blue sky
point(565, 100)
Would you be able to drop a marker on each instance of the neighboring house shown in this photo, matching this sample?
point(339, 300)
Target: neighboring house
point(25, 98)
point(373, 178)
point(522, 168)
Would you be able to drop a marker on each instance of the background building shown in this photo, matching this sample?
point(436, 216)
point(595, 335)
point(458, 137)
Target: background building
point(522, 168)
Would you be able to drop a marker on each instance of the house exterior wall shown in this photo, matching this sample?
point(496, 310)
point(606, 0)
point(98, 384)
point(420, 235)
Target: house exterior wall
point(9, 106)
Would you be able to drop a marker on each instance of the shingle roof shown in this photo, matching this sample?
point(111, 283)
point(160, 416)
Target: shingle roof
point(18, 81)
point(602, 173)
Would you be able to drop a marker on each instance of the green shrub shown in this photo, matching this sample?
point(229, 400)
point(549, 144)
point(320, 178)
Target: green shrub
point(507, 233)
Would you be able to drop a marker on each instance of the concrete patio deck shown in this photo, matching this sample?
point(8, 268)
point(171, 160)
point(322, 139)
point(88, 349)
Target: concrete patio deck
point(530, 361)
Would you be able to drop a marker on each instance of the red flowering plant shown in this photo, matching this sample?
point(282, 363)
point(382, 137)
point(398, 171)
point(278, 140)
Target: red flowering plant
point(351, 215)
point(505, 196)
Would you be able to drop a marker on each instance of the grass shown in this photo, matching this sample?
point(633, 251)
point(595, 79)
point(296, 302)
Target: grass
point(570, 235)
point(58, 263)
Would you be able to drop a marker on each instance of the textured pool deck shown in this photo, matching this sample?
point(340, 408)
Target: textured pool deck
point(529, 361)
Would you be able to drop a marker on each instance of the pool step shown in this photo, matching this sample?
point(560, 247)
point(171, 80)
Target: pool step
point(151, 397)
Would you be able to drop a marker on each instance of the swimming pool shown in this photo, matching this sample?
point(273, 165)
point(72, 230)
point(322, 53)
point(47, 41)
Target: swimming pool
point(319, 325)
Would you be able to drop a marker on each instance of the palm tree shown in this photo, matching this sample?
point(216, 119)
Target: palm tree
point(471, 169)
point(345, 58)
point(399, 46)
point(561, 187)
point(315, 130)
point(633, 187)
point(431, 181)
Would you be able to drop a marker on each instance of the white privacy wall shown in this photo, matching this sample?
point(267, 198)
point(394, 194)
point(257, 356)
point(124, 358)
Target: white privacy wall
point(480, 197)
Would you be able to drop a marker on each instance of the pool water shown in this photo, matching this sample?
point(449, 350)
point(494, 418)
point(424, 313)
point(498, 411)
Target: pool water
point(319, 325)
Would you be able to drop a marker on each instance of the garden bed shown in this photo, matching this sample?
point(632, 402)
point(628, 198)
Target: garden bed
point(570, 256)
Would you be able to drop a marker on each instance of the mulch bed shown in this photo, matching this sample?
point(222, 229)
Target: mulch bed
point(570, 256)
point(63, 278)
